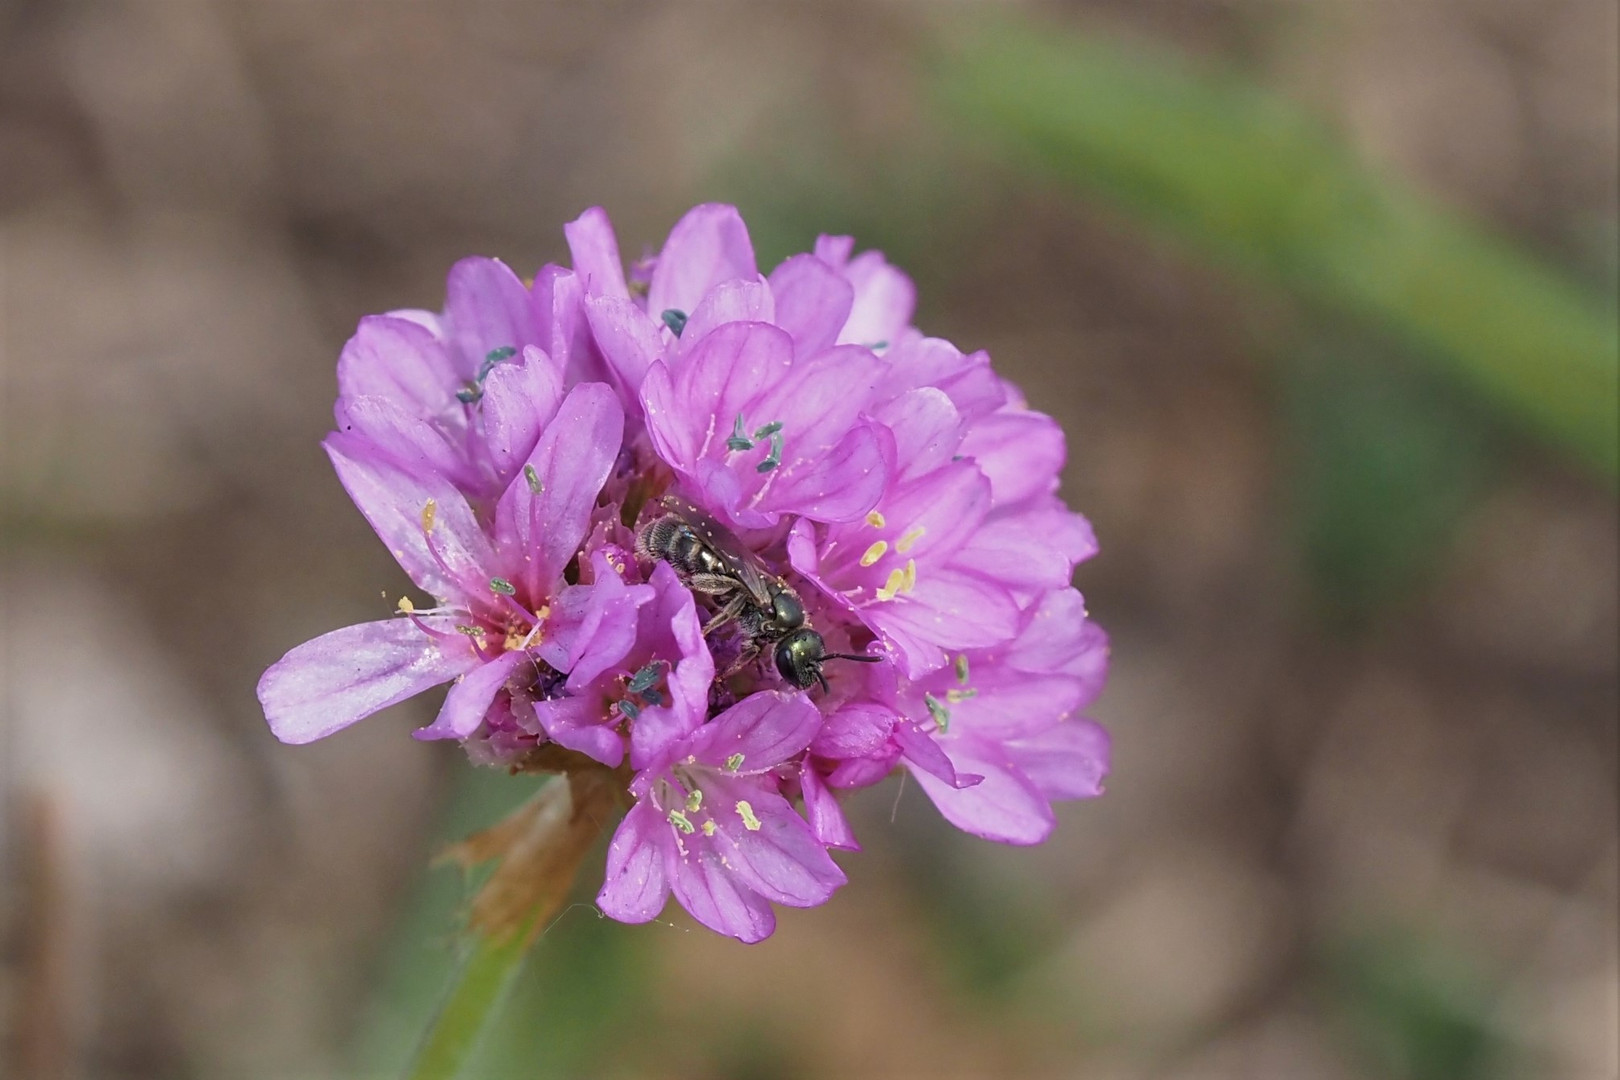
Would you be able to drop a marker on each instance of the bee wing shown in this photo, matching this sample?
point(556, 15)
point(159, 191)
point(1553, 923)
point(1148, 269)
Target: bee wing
point(725, 543)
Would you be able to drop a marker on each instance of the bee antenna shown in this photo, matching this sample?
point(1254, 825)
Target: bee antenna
point(850, 656)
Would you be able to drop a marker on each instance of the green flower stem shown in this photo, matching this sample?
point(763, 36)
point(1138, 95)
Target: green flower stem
point(476, 995)
point(538, 851)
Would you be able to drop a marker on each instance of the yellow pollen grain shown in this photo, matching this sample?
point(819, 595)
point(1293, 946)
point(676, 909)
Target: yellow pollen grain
point(907, 541)
point(430, 510)
point(708, 827)
point(405, 605)
point(892, 587)
point(875, 552)
point(746, 812)
point(876, 520)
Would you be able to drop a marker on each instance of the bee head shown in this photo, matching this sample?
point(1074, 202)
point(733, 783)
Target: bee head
point(800, 655)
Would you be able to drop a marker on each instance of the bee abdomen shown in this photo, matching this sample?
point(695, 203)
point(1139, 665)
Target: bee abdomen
point(674, 541)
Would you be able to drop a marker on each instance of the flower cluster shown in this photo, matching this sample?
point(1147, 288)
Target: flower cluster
point(746, 540)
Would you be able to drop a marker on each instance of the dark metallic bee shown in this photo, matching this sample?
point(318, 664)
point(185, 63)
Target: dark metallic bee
point(710, 560)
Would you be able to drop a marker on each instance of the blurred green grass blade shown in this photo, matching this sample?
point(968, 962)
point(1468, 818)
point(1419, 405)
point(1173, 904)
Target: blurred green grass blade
point(1412, 1008)
point(1383, 461)
point(481, 986)
point(1257, 183)
point(422, 957)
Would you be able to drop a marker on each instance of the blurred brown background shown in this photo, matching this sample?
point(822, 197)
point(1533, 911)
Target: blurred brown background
point(1354, 830)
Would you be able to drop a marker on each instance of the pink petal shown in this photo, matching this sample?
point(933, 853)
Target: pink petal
point(926, 758)
point(1021, 452)
point(562, 329)
point(707, 246)
point(935, 515)
point(592, 627)
point(1018, 553)
point(884, 299)
point(710, 891)
point(470, 697)
point(672, 629)
point(834, 250)
point(1058, 637)
point(821, 807)
point(927, 430)
point(406, 440)
point(520, 398)
point(582, 724)
point(486, 308)
point(595, 251)
point(327, 684)
point(1006, 807)
point(1066, 761)
point(629, 338)
point(918, 361)
point(1009, 704)
point(727, 302)
point(841, 485)
point(451, 561)
point(946, 609)
point(394, 358)
point(635, 885)
point(813, 302)
point(818, 399)
point(719, 379)
point(855, 730)
point(766, 728)
point(776, 855)
point(539, 531)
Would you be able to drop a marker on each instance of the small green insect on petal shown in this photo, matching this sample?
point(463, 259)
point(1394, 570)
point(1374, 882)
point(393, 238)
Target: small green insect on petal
point(532, 478)
point(941, 715)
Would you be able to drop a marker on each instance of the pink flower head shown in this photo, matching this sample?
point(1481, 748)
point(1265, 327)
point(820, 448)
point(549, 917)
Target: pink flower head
point(847, 489)
point(710, 823)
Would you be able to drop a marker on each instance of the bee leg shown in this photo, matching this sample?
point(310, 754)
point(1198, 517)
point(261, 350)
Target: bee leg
point(725, 615)
point(746, 657)
point(711, 584)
